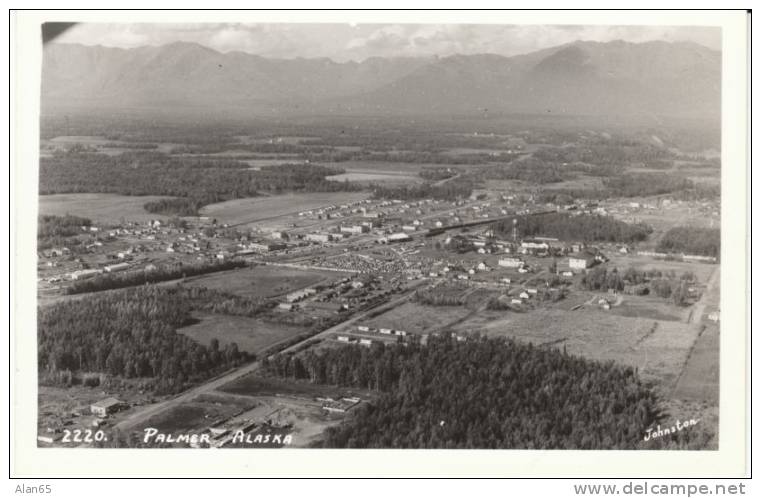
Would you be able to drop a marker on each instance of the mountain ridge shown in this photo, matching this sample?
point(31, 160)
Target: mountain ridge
point(617, 77)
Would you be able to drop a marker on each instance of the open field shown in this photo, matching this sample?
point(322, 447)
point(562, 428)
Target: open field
point(198, 414)
point(69, 407)
point(700, 378)
point(364, 175)
point(381, 167)
point(416, 318)
point(250, 334)
point(579, 182)
point(657, 348)
point(702, 271)
point(288, 139)
point(649, 307)
point(263, 281)
point(253, 209)
point(100, 208)
point(257, 385)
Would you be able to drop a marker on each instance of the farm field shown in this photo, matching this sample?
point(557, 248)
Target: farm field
point(250, 334)
point(263, 281)
point(364, 175)
point(626, 305)
point(100, 208)
point(657, 348)
point(383, 167)
point(290, 140)
point(259, 163)
point(253, 209)
point(416, 318)
point(580, 182)
point(700, 378)
point(702, 271)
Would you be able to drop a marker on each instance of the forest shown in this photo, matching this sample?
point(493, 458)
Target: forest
point(106, 281)
point(480, 393)
point(128, 334)
point(645, 184)
point(449, 191)
point(581, 228)
point(452, 296)
point(175, 206)
point(608, 153)
point(202, 181)
point(436, 173)
point(530, 170)
point(692, 240)
point(640, 282)
point(55, 230)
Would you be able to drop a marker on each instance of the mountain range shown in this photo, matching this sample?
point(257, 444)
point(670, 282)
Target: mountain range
point(580, 78)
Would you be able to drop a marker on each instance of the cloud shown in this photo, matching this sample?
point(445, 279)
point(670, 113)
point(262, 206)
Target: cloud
point(359, 41)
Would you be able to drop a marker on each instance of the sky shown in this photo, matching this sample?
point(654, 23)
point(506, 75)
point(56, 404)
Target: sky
point(342, 42)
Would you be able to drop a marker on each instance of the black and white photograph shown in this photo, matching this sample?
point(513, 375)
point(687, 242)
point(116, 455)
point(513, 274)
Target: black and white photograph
point(271, 236)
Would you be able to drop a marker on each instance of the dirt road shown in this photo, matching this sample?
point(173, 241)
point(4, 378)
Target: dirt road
point(699, 307)
point(134, 420)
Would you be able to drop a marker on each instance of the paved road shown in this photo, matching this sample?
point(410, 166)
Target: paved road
point(134, 420)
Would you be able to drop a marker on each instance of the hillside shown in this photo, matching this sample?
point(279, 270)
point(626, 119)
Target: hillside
point(614, 78)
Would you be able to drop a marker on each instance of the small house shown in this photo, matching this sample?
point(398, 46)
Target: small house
point(106, 407)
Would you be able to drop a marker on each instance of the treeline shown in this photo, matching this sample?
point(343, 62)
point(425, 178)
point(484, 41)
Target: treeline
point(481, 393)
point(583, 228)
point(616, 154)
point(435, 174)
point(107, 281)
point(640, 282)
point(129, 334)
point(128, 145)
point(529, 170)
point(223, 303)
point(631, 185)
point(440, 297)
point(178, 206)
point(49, 225)
point(699, 192)
point(449, 191)
point(692, 240)
point(64, 230)
point(202, 181)
point(645, 184)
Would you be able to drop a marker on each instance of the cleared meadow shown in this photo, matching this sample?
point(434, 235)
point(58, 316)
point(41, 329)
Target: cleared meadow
point(253, 209)
point(658, 348)
point(416, 318)
point(100, 208)
point(250, 334)
point(263, 281)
